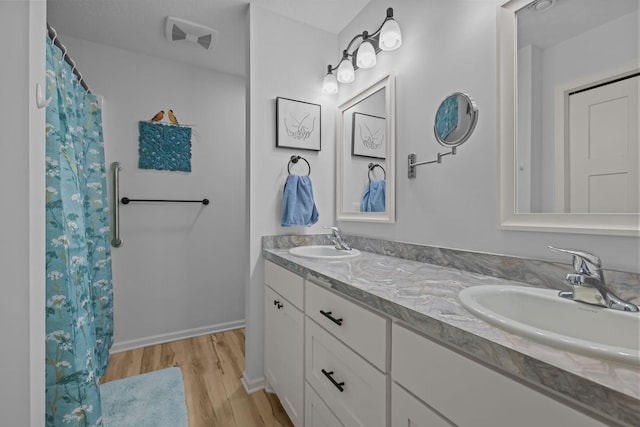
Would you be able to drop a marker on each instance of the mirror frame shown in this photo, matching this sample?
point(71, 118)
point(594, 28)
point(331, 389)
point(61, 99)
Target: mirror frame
point(389, 215)
point(622, 224)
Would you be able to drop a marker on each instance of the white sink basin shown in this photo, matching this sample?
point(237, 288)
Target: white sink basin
point(323, 252)
point(540, 314)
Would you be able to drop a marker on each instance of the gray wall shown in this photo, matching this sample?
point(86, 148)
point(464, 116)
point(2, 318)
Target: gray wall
point(287, 59)
point(179, 272)
point(448, 46)
point(451, 46)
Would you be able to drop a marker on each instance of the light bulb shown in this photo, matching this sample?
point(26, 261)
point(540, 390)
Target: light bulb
point(366, 57)
point(330, 84)
point(346, 73)
point(390, 35)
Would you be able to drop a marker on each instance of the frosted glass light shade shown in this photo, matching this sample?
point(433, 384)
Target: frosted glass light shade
point(366, 55)
point(346, 73)
point(330, 84)
point(390, 35)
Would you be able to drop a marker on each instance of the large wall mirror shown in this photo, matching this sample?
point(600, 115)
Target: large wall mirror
point(568, 79)
point(365, 155)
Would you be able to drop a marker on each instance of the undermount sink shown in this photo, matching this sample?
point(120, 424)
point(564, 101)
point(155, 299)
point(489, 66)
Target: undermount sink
point(323, 252)
point(540, 314)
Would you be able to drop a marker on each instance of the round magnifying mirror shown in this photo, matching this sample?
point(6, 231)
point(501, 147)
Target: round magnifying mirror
point(455, 120)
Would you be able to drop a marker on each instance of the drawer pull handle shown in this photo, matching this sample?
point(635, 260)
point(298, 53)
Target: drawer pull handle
point(339, 386)
point(328, 315)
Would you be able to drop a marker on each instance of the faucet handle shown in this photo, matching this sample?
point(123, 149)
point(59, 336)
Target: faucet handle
point(583, 262)
point(335, 230)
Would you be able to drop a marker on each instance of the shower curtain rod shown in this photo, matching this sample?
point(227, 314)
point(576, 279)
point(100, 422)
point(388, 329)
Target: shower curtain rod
point(53, 35)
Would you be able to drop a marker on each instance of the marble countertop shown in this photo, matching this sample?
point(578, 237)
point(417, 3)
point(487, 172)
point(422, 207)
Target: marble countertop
point(424, 296)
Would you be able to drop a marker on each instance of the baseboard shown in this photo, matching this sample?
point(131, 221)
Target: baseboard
point(175, 336)
point(252, 385)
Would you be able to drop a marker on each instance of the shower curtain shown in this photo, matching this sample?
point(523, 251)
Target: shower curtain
point(79, 310)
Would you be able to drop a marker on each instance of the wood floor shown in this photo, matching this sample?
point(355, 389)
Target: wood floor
point(212, 366)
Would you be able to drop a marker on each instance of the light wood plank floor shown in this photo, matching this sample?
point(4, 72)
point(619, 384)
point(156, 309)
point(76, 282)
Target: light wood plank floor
point(212, 366)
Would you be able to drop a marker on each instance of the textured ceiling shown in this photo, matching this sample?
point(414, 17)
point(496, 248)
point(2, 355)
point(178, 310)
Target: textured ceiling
point(138, 25)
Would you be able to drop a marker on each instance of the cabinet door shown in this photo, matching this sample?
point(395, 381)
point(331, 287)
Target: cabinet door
point(272, 340)
point(316, 412)
point(407, 411)
point(470, 394)
point(283, 348)
point(292, 362)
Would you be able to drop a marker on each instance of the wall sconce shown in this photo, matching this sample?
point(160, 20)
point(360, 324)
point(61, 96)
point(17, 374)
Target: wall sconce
point(387, 37)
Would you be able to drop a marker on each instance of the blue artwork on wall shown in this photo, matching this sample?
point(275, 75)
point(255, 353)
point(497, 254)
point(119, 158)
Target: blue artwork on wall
point(164, 147)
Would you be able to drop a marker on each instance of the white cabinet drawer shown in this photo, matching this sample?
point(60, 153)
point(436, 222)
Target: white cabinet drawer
point(284, 282)
point(406, 410)
point(353, 389)
point(359, 328)
point(468, 393)
point(316, 412)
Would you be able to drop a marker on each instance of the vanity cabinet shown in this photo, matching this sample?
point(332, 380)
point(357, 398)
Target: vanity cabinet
point(334, 362)
point(354, 390)
point(406, 410)
point(346, 357)
point(284, 339)
point(316, 412)
point(466, 392)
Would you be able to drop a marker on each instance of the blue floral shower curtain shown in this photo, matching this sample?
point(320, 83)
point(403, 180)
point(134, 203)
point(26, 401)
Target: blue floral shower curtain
point(79, 310)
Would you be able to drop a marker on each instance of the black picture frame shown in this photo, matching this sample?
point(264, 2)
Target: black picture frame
point(368, 136)
point(298, 124)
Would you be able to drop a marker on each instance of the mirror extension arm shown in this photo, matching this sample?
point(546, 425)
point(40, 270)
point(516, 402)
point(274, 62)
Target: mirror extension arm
point(413, 164)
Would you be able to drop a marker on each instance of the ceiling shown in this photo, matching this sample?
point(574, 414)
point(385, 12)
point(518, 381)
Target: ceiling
point(138, 25)
point(567, 19)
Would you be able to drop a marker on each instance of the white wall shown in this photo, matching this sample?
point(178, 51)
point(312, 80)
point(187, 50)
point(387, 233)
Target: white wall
point(451, 46)
point(22, 256)
point(180, 270)
point(286, 59)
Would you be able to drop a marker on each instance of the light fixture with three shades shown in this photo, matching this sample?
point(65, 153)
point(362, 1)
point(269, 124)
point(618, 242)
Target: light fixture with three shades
point(387, 37)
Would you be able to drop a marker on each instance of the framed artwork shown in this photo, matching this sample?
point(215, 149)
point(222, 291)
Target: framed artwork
point(297, 124)
point(368, 136)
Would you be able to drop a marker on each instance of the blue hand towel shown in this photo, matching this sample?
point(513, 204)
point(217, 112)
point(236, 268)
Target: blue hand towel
point(298, 206)
point(373, 199)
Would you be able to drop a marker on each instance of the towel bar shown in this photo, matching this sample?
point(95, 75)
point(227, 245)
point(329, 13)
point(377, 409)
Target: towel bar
point(126, 201)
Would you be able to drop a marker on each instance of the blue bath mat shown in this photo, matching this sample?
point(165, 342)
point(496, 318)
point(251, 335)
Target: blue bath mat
point(155, 399)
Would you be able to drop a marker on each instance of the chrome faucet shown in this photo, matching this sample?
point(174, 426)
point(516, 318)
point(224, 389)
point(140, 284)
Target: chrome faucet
point(336, 239)
point(588, 282)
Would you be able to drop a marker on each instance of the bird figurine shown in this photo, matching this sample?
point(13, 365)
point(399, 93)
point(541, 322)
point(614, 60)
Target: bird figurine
point(159, 115)
point(172, 118)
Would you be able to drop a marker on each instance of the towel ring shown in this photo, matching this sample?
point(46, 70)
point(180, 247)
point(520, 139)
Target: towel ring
point(372, 166)
point(294, 159)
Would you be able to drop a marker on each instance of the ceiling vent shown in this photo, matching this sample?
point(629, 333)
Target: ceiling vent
point(189, 33)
